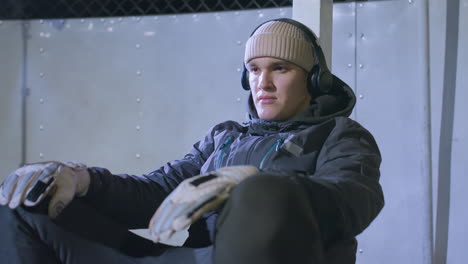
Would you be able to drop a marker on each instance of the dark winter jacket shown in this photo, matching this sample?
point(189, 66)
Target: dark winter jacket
point(332, 156)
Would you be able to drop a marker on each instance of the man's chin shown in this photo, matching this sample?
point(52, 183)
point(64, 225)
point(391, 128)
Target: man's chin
point(269, 116)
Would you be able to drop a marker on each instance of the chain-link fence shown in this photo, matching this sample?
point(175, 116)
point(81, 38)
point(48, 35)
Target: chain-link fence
point(32, 9)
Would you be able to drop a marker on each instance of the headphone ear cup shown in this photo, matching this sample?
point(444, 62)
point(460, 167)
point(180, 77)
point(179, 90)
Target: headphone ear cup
point(245, 79)
point(312, 82)
point(326, 82)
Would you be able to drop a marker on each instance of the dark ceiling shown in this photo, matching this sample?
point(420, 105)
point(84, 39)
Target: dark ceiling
point(37, 9)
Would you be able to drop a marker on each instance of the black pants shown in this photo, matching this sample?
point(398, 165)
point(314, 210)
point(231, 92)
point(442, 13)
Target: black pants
point(267, 220)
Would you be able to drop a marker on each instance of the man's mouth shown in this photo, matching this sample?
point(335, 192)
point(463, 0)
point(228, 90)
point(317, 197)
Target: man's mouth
point(266, 99)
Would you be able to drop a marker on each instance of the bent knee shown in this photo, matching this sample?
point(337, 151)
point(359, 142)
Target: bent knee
point(267, 193)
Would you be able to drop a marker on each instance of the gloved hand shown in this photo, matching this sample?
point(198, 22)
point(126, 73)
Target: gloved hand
point(30, 184)
point(194, 197)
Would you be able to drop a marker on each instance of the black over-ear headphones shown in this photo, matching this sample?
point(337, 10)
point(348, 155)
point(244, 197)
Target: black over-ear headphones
point(320, 79)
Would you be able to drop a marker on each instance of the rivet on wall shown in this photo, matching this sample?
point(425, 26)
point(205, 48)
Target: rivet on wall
point(120, 19)
point(1, 22)
point(238, 99)
point(362, 36)
point(42, 75)
point(138, 155)
point(156, 17)
point(138, 100)
point(41, 100)
point(102, 20)
point(138, 128)
point(361, 66)
point(361, 5)
point(82, 21)
point(236, 13)
point(361, 251)
point(45, 34)
point(137, 46)
point(260, 13)
point(41, 50)
point(238, 69)
point(410, 1)
point(361, 96)
point(239, 42)
point(41, 21)
point(138, 73)
point(282, 12)
point(350, 65)
point(41, 155)
point(350, 35)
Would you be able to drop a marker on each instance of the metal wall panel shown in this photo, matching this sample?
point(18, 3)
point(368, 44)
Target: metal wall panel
point(458, 232)
point(11, 53)
point(132, 93)
point(344, 43)
point(392, 103)
point(458, 214)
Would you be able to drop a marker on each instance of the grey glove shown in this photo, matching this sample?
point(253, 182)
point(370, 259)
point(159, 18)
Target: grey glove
point(30, 184)
point(194, 197)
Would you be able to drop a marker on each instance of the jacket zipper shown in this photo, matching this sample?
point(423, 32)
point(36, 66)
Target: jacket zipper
point(275, 146)
point(223, 148)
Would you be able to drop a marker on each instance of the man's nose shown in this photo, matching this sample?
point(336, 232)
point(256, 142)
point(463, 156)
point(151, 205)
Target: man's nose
point(264, 81)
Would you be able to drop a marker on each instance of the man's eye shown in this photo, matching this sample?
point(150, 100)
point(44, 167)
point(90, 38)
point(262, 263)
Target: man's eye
point(280, 68)
point(253, 69)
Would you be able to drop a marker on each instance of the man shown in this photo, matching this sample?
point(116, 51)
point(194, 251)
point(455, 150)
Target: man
point(294, 185)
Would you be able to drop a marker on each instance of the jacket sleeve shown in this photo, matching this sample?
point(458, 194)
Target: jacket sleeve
point(344, 190)
point(132, 200)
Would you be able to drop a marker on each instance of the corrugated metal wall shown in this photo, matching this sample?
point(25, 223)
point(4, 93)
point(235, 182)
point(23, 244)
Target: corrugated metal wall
point(131, 93)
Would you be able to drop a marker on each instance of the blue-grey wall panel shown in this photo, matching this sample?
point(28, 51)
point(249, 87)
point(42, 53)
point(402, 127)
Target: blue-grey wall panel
point(344, 43)
point(132, 93)
point(458, 232)
point(11, 54)
point(393, 103)
point(458, 214)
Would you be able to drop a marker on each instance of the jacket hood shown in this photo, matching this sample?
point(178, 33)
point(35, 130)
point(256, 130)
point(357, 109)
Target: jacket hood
point(339, 101)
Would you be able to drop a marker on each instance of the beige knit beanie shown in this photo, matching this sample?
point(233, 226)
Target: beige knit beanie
point(281, 40)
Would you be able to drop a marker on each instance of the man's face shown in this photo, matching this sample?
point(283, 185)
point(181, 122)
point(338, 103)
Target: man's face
point(279, 88)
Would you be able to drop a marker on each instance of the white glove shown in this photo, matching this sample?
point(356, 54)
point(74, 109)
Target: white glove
point(194, 197)
point(30, 184)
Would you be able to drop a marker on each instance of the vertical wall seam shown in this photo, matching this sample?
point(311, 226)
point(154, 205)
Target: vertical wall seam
point(446, 133)
point(355, 57)
point(428, 128)
point(24, 89)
